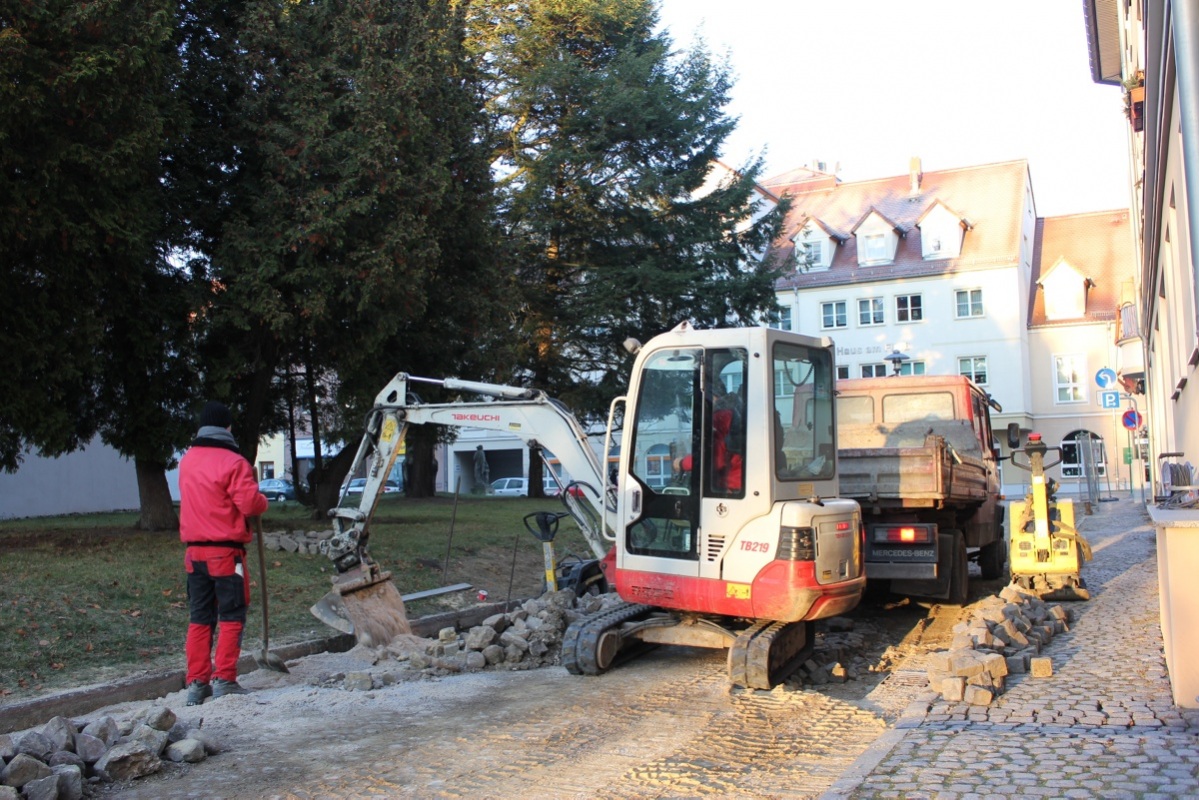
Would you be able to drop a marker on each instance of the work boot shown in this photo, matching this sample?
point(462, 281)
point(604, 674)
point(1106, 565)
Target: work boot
point(222, 687)
point(198, 692)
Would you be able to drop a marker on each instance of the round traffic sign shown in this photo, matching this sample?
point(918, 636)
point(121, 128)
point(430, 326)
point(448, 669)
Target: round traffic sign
point(1105, 377)
point(1131, 420)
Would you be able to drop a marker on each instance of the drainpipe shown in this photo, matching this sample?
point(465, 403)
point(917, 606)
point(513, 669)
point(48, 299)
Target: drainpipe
point(1186, 61)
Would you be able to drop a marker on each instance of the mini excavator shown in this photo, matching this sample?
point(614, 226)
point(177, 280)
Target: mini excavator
point(743, 551)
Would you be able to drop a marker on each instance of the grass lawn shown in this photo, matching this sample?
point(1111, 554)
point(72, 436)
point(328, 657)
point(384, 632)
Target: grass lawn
point(86, 598)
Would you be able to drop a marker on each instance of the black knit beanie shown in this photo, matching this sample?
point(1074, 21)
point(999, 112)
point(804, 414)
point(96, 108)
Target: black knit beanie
point(216, 415)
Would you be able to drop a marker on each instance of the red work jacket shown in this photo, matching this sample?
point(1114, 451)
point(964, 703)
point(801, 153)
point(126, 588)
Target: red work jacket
point(217, 492)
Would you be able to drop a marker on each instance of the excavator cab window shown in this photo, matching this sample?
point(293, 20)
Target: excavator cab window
point(691, 404)
point(665, 429)
point(804, 442)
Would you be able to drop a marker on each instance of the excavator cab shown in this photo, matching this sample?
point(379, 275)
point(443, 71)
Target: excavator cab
point(728, 529)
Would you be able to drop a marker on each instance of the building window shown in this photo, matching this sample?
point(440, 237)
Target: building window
point(876, 247)
point(833, 315)
point(266, 469)
point(874, 370)
point(970, 303)
point(974, 368)
point(657, 466)
point(1069, 377)
point(1083, 455)
point(781, 318)
point(908, 308)
point(870, 311)
point(911, 368)
point(809, 255)
point(842, 373)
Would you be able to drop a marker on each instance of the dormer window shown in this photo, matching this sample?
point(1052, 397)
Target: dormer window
point(1064, 290)
point(941, 232)
point(813, 247)
point(878, 239)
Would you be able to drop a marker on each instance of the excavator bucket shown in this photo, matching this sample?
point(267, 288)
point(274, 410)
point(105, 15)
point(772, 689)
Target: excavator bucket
point(364, 602)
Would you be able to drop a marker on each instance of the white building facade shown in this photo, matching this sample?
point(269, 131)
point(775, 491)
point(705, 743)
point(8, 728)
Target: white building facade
point(946, 273)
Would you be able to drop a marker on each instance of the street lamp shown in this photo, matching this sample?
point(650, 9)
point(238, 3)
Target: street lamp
point(896, 358)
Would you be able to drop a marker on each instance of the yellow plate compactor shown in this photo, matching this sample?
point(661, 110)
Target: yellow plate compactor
point(1047, 552)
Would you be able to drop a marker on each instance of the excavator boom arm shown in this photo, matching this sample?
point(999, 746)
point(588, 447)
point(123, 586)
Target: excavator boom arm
point(528, 414)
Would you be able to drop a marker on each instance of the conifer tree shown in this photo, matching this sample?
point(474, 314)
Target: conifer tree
point(95, 316)
point(606, 142)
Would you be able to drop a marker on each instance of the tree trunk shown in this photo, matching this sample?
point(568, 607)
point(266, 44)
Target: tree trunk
point(325, 481)
point(157, 509)
point(536, 472)
point(420, 473)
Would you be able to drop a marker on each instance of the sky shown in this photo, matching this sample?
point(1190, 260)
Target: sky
point(870, 84)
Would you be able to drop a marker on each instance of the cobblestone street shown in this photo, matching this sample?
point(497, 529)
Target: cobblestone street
point(1104, 725)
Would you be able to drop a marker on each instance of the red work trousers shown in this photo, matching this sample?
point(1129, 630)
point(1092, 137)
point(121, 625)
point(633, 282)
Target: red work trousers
point(218, 595)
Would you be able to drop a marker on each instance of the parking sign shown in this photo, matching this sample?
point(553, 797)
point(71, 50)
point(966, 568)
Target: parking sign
point(1109, 400)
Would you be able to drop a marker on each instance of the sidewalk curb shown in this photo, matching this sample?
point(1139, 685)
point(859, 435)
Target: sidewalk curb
point(851, 779)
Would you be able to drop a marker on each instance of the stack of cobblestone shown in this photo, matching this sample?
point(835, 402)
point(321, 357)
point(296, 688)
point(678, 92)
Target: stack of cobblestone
point(62, 759)
point(1004, 636)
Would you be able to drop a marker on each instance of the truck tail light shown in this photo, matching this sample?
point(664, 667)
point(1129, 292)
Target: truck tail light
point(902, 534)
point(796, 544)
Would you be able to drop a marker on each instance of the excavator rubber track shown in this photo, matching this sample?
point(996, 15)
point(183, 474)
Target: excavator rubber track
point(593, 645)
point(766, 653)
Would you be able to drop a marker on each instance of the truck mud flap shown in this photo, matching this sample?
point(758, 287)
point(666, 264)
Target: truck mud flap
point(938, 587)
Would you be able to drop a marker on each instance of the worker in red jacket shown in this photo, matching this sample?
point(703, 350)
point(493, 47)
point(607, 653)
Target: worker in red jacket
point(217, 493)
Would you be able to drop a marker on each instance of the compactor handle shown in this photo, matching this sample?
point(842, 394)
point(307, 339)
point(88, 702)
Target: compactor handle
point(547, 524)
point(1027, 467)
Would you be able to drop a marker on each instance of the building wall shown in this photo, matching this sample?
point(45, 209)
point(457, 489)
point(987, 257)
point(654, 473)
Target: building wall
point(96, 478)
point(1054, 420)
point(1165, 227)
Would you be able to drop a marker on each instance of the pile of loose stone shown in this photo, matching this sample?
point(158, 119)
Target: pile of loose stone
point(308, 542)
point(63, 759)
point(1004, 636)
point(530, 637)
point(527, 637)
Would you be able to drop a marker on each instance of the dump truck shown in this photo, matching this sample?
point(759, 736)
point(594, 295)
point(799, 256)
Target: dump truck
point(918, 454)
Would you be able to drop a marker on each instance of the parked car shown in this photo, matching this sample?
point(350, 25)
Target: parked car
point(357, 486)
point(277, 489)
point(509, 487)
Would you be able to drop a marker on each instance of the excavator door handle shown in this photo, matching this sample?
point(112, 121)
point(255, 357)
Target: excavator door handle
point(636, 502)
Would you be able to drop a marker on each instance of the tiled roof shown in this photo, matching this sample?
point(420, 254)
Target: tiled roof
point(1099, 245)
point(990, 196)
